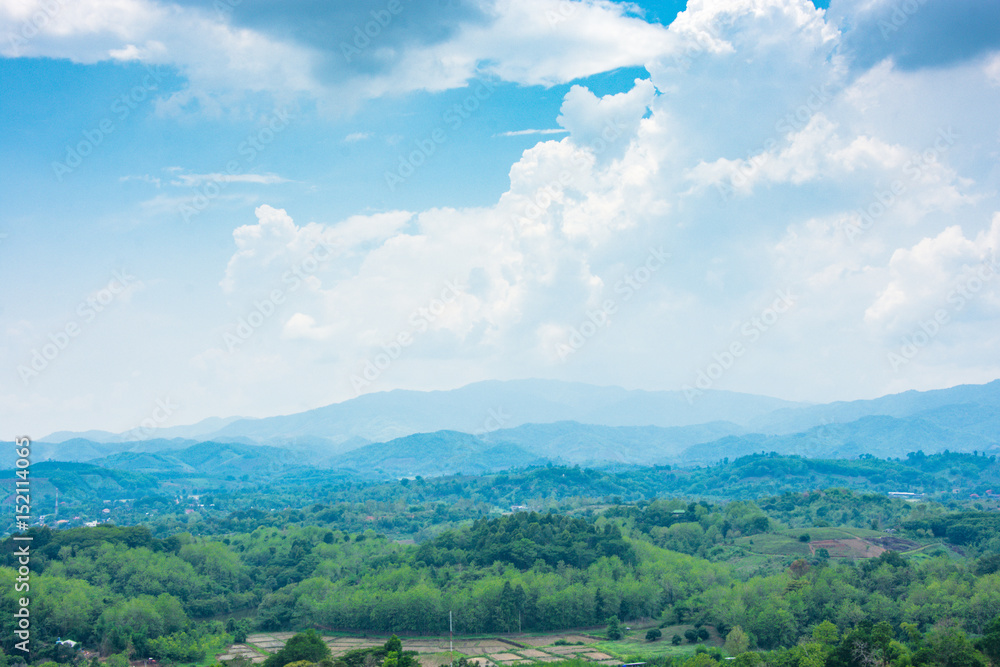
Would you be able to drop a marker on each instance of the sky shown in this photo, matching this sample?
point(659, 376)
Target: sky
point(253, 208)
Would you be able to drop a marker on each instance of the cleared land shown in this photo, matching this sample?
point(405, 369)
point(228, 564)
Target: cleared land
point(489, 651)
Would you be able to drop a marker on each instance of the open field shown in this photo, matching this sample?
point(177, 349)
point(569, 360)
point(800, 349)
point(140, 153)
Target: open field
point(839, 542)
point(494, 651)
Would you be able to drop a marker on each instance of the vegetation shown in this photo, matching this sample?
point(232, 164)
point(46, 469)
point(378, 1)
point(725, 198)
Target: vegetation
point(803, 577)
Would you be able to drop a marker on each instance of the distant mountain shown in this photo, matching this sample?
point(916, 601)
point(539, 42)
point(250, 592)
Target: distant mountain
point(207, 458)
point(432, 454)
point(83, 449)
point(488, 426)
point(188, 432)
point(585, 444)
point(795, 419)
point(880, 436)
point(486, 406)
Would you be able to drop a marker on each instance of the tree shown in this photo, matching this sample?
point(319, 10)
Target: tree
point(306, 645)
point(951, 648)
point(799, 568)
point(826, 633)
point(701, 660)
point(614, 628)
point(703, 634)
point(989, 643)
point(241, 630)
point(653, 634)
point(691, 636)
point(394, 645)
point(676, 640)
point(737, 641)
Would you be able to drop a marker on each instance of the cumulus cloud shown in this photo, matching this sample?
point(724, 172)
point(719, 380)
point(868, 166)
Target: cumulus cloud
point(289, 52)
point(749, 93)
point(875, 30)
point(928, 274)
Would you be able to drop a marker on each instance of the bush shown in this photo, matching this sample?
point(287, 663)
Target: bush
point(614, 628)
point(691, 636)
point(653, 634)
point(676, 640)
point(703, 634)
point(306, 645)
point(804, 537)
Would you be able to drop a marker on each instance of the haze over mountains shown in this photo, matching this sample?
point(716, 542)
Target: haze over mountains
point(496, 425)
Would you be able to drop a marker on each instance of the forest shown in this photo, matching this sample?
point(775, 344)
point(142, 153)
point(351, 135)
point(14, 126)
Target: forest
point(808, 576)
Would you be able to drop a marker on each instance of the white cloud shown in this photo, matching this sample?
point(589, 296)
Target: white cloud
point(523, 133)
point(194, 180)
point(218, 60)
point(301, 326)
point(491, 291)
point(923, 276)
point(531, 42)
point(582, 212)
point(357, 136)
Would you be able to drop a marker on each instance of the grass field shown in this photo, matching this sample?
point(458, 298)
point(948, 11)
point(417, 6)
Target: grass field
point(581, 648)
point(775, 544)
point(635, 645)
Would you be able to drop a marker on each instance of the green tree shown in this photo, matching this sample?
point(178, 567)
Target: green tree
point(700, 660)
point(737, 641)
point(676, 640)
point(614, 631)
point(653, 634)
point(989, 643)
point(306, 645)
point(826, 633)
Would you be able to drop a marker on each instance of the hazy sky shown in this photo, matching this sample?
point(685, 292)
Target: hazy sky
point(253, 208)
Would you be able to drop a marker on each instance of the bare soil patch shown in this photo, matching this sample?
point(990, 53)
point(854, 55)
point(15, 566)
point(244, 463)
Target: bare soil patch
point(848, 548)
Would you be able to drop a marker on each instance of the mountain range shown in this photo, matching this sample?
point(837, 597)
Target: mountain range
point(495, 425)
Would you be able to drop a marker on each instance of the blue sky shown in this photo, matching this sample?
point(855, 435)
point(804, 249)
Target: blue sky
point(770, 196)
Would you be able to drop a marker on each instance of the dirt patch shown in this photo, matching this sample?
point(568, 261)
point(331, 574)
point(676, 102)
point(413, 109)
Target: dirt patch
point(566, 649)
point(503, 657)
point(849, 548)
point(896, 543)
point(533, 653)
